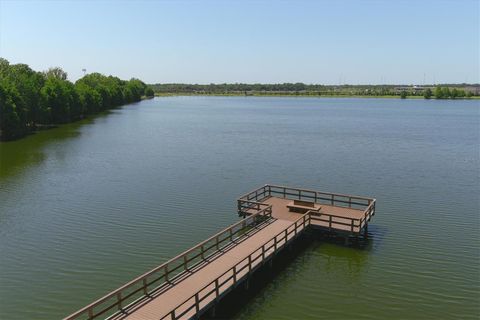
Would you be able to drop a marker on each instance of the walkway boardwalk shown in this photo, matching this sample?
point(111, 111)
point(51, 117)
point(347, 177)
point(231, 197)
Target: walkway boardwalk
point(189, 284)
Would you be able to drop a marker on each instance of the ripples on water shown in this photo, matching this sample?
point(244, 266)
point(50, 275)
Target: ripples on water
point(88, 206)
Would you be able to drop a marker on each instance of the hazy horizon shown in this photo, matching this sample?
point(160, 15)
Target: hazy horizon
point(319, 42)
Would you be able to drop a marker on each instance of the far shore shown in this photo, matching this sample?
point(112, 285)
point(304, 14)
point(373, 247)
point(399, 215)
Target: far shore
point(302, 95)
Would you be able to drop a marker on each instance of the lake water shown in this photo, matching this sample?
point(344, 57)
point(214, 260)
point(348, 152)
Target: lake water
point(88, 206)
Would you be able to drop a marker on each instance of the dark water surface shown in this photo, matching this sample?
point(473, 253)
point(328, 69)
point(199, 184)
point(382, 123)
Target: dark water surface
point(88, 206)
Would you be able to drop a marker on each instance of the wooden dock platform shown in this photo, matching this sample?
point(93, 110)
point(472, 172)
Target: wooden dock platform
point(194, 281)
point(339, 213)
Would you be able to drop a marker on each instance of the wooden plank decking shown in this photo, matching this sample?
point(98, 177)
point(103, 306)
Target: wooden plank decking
point(187, 285)
point(201, 281)
point(339, 214)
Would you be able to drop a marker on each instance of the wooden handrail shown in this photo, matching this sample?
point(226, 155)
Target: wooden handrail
point(243, 206)
point(313, 191)
point(249, 259)
point(117, 294)
point(306, 193)
point(368, 211)
point(254, 202)
point(367, 204)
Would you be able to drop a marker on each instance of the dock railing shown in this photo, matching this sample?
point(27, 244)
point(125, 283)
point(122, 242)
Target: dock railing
point(230, 278)
point(331, 221)
point(163, 275)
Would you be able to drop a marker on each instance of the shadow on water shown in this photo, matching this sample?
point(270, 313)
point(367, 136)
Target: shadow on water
point(234, 302)
point(18, 155)
point(376, 235)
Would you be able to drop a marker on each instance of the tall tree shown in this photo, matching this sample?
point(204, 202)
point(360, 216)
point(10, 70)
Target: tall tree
point(56, 72)
point(438, 93)
point(427, 94)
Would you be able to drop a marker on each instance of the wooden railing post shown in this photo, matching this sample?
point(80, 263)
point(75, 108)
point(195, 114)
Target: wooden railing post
point(352, 224)
point(333, 196)
point(249, 263)
point(166, 272)
point(119, 300)
point(185, 262)
point(197, 303)
point(234, 274)
point(217, 289)
point(172, 315)
point(284, 193)
point(330, 222)
point(145, 291)
point(90, 313)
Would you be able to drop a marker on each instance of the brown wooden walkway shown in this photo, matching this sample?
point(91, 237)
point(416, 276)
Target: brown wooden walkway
point(187, 285)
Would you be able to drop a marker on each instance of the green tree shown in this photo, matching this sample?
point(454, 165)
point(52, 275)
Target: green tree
point(438, 93)
point(454, 93)
point(12, 117)
point(28, 97)
point(403, 94)
point(446, 93)
point(27, 84)
point(89, 99)
point(56, 72)
point(427, 94)
point(61, 99)
point(149, 92)
point(137, 89)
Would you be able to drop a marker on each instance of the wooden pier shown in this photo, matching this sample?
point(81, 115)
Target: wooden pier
point(191, 283)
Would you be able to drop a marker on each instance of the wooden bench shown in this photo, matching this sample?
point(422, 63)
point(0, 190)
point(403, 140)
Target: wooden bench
point(301, 206)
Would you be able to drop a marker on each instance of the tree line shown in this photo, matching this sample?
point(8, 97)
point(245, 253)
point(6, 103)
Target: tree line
point(234, 87)
point(447, 91)
point(30, 99)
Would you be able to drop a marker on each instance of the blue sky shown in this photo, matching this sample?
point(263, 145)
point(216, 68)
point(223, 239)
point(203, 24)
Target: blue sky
point(326, 42)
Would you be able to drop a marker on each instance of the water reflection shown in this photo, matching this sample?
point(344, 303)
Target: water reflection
point(20, 155)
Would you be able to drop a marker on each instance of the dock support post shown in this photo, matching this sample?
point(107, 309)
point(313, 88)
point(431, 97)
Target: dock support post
point(213, 311)
point(247, 284)
point(365, 231)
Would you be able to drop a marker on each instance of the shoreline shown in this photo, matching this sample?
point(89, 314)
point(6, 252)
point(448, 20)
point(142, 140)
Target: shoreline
point(44, 127)
point(172, 94)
